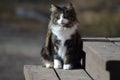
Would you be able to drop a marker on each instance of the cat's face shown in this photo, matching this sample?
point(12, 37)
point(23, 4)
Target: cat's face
point(62, 15)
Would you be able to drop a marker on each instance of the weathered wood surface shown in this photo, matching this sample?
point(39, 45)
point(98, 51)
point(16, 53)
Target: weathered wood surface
point(102, 63)
point(78, 74)
point(33, 72)
point(115, 40)
point(103, 58)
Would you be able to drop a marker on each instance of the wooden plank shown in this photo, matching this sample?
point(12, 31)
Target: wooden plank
point(78, 74)
point(115, 40)
point(95, 66)
point(97, 39)
point(105, 50)
point(98, 55)
point(33, 72)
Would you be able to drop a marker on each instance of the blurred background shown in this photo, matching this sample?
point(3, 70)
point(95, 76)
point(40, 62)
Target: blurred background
point(23, 26)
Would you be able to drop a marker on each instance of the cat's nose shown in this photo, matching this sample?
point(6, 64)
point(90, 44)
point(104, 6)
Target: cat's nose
point(63, 22)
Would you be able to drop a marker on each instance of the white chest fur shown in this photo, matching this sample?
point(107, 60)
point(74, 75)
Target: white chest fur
point(63, 34)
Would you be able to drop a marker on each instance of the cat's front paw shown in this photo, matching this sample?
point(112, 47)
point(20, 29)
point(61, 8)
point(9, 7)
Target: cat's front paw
point(67, 66)
point(57, 64)
point(48, 65)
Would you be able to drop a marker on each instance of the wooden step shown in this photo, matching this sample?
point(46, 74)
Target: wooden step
point(103, 58)
point(35, 72)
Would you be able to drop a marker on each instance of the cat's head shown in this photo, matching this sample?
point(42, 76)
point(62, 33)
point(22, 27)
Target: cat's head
point(62, 15)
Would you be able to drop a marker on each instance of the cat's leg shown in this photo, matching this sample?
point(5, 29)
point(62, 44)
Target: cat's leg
point(57, 63)
point(46, 54)
point(46, 58)
point(67, 63)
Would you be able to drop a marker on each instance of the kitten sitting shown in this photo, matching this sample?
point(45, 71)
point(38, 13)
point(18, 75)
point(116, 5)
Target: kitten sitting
point(63, 46)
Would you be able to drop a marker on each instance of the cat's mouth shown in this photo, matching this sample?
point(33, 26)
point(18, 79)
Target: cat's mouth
point(64, 23)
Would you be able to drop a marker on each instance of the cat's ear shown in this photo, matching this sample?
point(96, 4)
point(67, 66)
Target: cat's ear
point(69, 5)
point(53, 8)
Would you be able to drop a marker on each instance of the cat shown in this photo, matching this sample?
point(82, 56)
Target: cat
point(63, 45)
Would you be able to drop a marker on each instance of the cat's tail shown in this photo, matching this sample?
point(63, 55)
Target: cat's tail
point(46, 57)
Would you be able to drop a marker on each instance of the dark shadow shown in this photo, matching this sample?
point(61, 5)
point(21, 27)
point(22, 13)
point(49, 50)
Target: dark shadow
point(114, 68)
point(82, 62)
point(82, 58)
